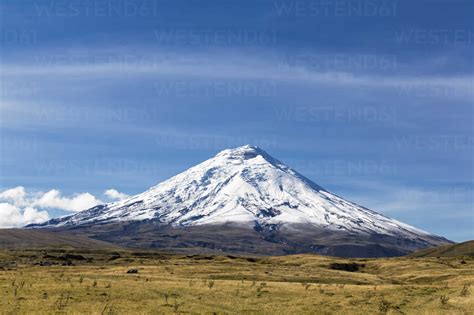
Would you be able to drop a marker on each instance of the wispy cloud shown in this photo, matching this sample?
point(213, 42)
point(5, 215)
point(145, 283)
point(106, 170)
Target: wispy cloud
point(233, 67)
point(401, 198)
point(446, 210)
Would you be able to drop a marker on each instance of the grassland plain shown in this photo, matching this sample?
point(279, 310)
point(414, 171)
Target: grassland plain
point(72, 281)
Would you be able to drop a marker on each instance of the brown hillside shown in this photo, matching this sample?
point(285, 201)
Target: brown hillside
point(455, 250)
point(27, 238)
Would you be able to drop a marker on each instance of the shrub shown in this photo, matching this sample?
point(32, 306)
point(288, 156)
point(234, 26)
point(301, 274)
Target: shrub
point(384, 306)
point(321, 290)
point(260, 288)
point(108, 309)
point(176, 306)
point(62, 301)
point(166, 295)
point(444, 299)
point(210, 284)
point(465, 291)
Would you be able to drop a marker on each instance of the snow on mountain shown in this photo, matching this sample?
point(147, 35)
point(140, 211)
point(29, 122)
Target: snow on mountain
point(244, 186)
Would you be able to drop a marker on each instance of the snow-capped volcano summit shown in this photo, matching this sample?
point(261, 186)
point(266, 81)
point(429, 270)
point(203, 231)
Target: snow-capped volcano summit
point(247, 187)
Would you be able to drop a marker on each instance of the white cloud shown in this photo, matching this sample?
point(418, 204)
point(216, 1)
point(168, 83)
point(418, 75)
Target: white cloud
point(31, 215)
point(54, 199)
point(19, 207)
point(115, 194)
point(12, 216)
point(16, 195)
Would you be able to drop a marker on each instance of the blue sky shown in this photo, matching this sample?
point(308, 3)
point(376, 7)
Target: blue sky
point(372, 100)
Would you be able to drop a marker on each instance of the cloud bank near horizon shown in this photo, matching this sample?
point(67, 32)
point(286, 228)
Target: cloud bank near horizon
point(19, 207)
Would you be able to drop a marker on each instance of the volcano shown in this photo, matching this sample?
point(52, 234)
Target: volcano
point(245, 201)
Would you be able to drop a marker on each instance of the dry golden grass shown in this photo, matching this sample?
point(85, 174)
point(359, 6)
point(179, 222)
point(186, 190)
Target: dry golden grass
point(219, 284)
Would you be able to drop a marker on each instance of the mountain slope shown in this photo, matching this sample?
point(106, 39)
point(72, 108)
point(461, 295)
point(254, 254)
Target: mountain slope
point(454, 250)
point(247, 188)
